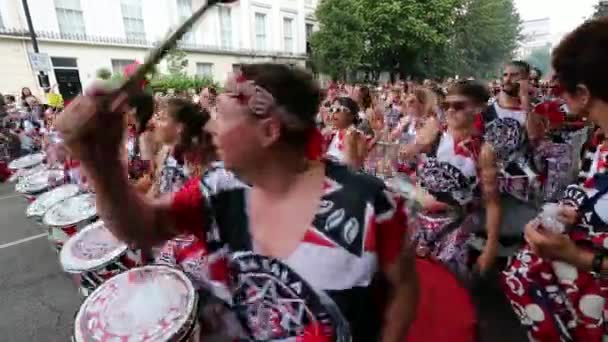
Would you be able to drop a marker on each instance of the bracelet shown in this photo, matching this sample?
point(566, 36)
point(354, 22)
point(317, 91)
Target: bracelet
point(596, 264)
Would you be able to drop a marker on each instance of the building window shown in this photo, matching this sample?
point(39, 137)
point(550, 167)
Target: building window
point(288, 34)
point(69, 17)
point(64, 62)
point(309, 30)
point(225, 27)
point(133, 20)
point(184, 11)
point(204, 70)
point(119, 65)
point(260, 31)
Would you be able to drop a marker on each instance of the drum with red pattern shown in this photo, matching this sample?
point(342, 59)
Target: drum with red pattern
point(44, 202)
point(445, 308)
point(67, 217)
point(27, 162)
point(151, 303)
point(96, 256)
point(39, 182)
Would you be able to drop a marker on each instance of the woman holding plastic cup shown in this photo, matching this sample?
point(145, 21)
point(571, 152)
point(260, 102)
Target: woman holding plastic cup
point(555, 283)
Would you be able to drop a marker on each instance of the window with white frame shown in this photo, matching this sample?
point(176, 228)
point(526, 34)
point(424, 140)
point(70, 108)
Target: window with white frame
point(288, 34)
point(69, 17)
point(119, 65)
point(133, 20)
point(225, 27)
point(260, 31)
point(309, 30)
point(184, 11)
point(204, 70)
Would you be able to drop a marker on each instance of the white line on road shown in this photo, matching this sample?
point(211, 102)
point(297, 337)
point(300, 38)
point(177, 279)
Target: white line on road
point(7, 197)
point(18, 242)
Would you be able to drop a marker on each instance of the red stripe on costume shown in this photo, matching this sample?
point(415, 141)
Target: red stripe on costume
point(315, 238)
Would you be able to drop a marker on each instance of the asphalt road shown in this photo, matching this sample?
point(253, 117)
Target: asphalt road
point(37, 301)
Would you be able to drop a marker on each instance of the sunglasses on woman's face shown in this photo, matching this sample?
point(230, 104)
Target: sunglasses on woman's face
point(335, 109)
point(456, 105)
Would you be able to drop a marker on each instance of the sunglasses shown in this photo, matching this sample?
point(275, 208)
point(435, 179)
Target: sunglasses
point(335, 109)
point(456, 105)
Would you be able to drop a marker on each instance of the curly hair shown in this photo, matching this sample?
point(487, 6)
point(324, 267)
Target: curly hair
point(580, 58)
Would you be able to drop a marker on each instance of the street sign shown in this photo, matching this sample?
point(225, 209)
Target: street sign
point(40, 62)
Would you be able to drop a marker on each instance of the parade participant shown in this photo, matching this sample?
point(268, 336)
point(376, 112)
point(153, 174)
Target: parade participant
point(178, 130)
point(419, 107)
point(25, 94)
point(331, 226)
point(345, 143)
point(207, 99)
point(453, 166)
point(141, 144)
point(394, 110)
point(555, 284)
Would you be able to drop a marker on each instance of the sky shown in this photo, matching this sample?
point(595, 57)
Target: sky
point(565, 15)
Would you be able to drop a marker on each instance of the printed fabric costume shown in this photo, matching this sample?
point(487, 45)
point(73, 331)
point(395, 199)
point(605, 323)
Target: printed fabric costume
point(449, 173)
point(359, 227)
point(554, 300)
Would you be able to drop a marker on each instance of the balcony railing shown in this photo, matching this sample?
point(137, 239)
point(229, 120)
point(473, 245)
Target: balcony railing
point(145, 44)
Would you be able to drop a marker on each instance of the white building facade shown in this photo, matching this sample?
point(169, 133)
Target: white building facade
point(536, 34)
point(82, 36)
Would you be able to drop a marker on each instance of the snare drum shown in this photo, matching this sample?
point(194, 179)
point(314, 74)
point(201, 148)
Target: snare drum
point(96, 255)
point(23, 173)
point(38, 183)
point(67, 217)
point(151, 303)
point(27, 162)
point(48, 199)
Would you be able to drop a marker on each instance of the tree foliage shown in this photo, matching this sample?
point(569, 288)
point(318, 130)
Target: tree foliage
point(338, 46)
point(541, 59)
point(415, 37)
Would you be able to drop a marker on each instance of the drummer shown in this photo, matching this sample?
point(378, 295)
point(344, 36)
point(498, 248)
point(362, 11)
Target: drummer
point(334, 228)
point(453, 165)
point(556, 284)
point(345, 143)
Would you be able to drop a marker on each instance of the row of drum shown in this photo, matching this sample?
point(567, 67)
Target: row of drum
point(124, 300)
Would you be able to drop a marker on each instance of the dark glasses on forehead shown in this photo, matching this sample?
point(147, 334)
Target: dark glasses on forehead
point(456, 105)
point(335, 109)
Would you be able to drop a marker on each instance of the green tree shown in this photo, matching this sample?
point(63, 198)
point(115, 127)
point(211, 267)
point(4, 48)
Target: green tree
point(104, 74)
point(601, 9)
point(338, 45)
point(541, 59)
point(486, 33)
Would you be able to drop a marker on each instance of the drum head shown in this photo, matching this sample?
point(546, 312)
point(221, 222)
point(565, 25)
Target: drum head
point(274, 303)
point(48, 199)
point(27, 161)
point(91, 248)
point(445, 311)
point(151, 303)
point(71, 211)
point(22, 173)
point(37, 182)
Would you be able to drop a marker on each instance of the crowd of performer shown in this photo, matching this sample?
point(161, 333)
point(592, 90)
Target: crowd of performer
point(273, 166)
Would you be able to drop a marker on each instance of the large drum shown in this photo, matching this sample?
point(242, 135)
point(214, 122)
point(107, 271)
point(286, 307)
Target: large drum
point(39, 182)
point(23, 173)
point(151, 303)
point(48, 199)
point(96, 255)
point(445, 308)
point(67, 217)
point(27, 162)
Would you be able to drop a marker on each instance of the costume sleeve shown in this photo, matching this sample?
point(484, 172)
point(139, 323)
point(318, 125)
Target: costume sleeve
point(391, 227)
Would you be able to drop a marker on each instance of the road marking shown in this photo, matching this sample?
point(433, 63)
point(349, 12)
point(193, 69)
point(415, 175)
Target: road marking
point(18, 242)
point(7, 197)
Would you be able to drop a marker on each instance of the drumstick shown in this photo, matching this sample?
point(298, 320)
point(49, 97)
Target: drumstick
point(157, 54)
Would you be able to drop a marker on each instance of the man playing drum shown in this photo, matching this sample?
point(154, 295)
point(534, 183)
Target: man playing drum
point(330, 226)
